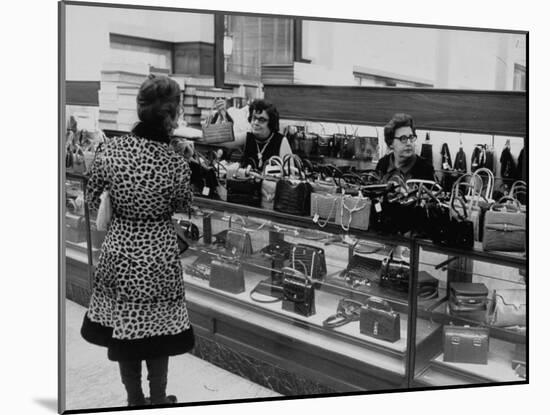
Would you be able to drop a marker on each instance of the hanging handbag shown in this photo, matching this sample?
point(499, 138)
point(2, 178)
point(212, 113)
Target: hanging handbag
point(367, 147)
point(377, 319)
point(508, 308)
point(465, 344)
point(504, 228)
point(293, 197)
point(298, 292)
point(227, 276)
point(217, 132)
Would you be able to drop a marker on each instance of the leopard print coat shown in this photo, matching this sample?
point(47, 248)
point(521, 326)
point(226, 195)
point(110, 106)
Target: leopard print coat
point(138, 295)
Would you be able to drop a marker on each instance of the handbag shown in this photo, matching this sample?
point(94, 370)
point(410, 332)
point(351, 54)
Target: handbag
point(465, 344)
point(348, 310)
point(75, 228)
point(217, 132)
point(366, 148)
point(104, 212)
point(246, 191)
point(504, 228)
point(238, 243)
point(354, 213)
point(395, 274)
point(378, 320)
point(298, 292)
point(325, 207)
point(312, 257)
point(467, 298)
point(508, 308)
point(293, 197)
point(227, 276)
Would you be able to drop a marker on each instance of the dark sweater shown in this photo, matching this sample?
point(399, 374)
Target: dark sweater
point(420, 168)
point(251, 149)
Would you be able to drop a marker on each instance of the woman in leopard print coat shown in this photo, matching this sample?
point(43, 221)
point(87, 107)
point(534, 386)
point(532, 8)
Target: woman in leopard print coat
point(137, 308)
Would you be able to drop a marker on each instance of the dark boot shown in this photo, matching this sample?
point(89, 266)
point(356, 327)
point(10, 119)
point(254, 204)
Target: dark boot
point(130, 373)
point(158, 378)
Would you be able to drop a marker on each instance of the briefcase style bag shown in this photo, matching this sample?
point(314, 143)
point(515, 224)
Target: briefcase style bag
point(377, 319)
point(463, 344)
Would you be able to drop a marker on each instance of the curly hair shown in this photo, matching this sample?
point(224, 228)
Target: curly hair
point(259, 105)
point(397, 121)
point(158, 103)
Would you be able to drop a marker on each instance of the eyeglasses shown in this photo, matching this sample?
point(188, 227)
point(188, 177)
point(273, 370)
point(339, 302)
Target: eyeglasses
point(404, 138)
point(260, 120)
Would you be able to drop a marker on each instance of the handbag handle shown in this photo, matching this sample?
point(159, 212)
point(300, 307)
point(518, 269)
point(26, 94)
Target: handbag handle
point(378, 303)
point(499, 204)
point(356, 208)
point(308, 277)
point(297, 162)
point(490, 182)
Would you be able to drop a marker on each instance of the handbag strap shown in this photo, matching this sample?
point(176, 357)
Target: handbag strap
point(297, 164)
point(313, 256)
point(352, 210)
point(273, 161)
point(490, 182)
point(333, 205)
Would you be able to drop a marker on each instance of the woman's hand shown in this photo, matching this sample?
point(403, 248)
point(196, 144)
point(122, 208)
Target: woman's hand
point(220, 105)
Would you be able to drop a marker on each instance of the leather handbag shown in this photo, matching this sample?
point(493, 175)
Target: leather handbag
point(465, 344)
point(279, 249)
point(504, 228)
point(247, 191)
point(227, 276)
point(298, 292)
point(466, 297)
point(312, 257)
point(508, 308)
point(217, 132)
point(348, 310)
point(325, 207)
point(377, 319)
point(354, 213)
point(238, 243)
point(395, 274)
point(293, 196)
point(361, 269)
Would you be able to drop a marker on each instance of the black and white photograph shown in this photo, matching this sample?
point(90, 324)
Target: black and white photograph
point(285, 207)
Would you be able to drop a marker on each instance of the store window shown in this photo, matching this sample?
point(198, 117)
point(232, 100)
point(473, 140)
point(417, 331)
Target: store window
point(271, 37)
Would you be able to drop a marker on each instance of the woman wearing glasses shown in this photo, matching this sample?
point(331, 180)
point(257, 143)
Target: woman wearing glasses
point(400, 136)
point(263, 139)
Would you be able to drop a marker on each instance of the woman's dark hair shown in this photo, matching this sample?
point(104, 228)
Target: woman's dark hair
point(259, 105)
point(158, 101)
point(398, 120)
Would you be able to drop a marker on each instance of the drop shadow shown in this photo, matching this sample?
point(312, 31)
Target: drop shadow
point(48, 403)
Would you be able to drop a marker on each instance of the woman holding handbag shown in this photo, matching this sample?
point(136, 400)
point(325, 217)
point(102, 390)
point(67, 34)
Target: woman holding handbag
point(137, 308)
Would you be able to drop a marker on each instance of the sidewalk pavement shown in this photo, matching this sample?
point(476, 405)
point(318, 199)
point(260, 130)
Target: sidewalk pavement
point(93, 381)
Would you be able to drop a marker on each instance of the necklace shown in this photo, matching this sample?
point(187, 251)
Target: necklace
point(261, 152)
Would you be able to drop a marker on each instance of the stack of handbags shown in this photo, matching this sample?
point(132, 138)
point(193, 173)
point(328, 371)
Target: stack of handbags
point(504, 227)
point(293, 196)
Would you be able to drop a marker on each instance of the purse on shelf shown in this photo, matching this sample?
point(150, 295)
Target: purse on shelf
point(325, 207)
point(247, 191)
point(348, 310)
point(467, 299)
point(395, 274)
point(218, 128)
point(293, 197)
point(354, 212)
point(298, 292)
point(280, 249)
point(312, 257)
point(361, 269)
point(378, 320)
point(508, 307)
point(463, 344)
point(504, 228)
point(227, 275)
point(238, 243)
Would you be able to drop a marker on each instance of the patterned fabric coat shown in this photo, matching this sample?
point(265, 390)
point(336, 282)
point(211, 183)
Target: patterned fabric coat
point(137, 308)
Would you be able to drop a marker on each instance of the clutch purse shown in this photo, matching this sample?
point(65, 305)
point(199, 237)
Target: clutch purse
point(298, 292)
point(465, 344)
point(377, 319)
point(227, 276)
point(508, 308)
point(467, 297)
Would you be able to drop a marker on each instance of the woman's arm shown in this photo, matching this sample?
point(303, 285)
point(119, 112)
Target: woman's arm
point(183, 196)
point(97, 181)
